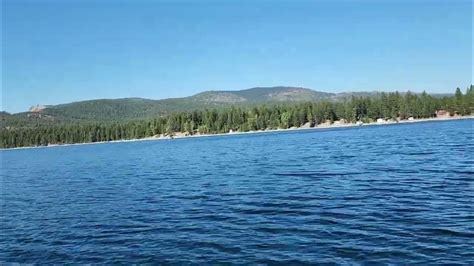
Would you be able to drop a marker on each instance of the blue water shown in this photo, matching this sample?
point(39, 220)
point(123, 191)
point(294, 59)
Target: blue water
point(382, 194)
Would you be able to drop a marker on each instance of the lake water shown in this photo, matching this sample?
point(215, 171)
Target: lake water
point(381, 194)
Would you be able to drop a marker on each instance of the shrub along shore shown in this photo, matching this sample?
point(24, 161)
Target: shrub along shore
point(388, 108)
point(181, 135)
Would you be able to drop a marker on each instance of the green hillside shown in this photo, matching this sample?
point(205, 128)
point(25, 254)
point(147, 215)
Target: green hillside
point(127, 109)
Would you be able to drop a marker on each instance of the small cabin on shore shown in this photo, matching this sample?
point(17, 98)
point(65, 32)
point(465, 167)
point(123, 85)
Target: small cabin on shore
point(442, 113)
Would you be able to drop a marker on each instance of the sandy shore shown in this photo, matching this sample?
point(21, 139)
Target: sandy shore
point(305, 127)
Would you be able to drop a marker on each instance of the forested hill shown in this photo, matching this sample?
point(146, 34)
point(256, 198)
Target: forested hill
point(302, 111)
point(107, 110)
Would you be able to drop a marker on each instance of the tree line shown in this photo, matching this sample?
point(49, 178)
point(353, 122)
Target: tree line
point(366, 109)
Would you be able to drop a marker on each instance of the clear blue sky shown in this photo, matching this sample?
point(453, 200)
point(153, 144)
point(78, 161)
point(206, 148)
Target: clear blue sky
point(62, 51)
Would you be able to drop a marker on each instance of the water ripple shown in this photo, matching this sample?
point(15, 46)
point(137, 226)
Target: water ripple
point(369, 195)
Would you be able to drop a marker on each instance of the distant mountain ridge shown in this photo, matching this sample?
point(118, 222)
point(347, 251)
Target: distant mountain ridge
point(266, 94)
point(134, 108)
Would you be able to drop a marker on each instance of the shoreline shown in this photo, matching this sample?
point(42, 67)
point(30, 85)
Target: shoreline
point(302, 128)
